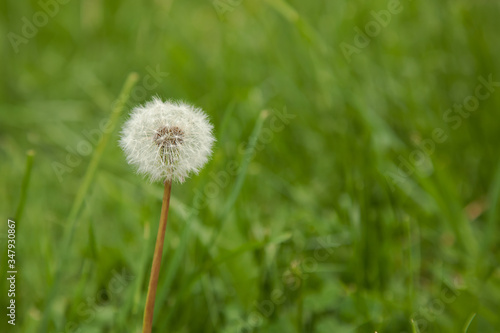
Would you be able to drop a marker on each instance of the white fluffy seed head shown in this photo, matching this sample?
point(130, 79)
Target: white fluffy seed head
point(167, 140)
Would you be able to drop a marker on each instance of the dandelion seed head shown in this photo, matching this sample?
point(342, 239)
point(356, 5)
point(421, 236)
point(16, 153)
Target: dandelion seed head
point(167, 140)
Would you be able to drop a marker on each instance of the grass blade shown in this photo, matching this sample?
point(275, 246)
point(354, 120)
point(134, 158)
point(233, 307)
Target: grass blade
point(469, 322)
point(72, 220)
point(30, 154)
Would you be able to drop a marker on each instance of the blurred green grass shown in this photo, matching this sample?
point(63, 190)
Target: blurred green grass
point(314, 235)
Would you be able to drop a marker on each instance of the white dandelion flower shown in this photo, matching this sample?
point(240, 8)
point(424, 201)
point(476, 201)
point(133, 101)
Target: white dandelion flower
point(167, 140)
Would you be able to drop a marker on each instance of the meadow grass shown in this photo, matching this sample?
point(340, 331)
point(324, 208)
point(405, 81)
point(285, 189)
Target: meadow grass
point(346, 193)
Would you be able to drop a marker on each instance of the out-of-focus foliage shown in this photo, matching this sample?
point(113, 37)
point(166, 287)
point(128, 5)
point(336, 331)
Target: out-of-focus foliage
point(369, 200)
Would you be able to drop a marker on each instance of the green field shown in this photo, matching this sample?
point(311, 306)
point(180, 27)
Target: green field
point(354, 184)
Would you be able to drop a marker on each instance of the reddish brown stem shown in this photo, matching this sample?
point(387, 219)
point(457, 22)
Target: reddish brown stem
point(155, 268)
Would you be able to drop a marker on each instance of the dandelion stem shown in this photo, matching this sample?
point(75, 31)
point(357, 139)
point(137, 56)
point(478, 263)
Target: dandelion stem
point(155, 268)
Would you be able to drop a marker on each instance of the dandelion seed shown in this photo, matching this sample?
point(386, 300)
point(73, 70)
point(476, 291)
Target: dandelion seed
point(167, 140)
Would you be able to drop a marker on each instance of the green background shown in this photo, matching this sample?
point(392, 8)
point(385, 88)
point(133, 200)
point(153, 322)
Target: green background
point(373, 207)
